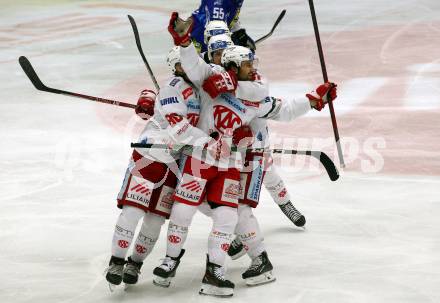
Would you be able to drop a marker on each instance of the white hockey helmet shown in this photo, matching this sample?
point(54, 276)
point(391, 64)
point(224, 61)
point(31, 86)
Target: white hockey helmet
point(237, 54)
point(173, 58)
point(218, 42)
point(214, 28)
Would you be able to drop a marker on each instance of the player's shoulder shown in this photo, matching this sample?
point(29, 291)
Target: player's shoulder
point(177, 88)
point(216, 68)
point(174, 82)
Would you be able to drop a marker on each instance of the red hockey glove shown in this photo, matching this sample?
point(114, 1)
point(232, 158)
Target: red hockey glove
point(179, 29)
point(322, 95)
point(145, 104)
point(255, 76)
point(217, 84)
point(243, 136)
point(218, 147)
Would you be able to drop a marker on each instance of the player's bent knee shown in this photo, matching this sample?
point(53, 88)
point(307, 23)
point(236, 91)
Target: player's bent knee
point(225, 217)
point(182, 214)
point(131, 213)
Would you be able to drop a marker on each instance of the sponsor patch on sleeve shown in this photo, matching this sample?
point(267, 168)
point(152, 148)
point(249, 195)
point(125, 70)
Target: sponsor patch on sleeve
point(169, 100)
point(174, 82)
point(187, 92)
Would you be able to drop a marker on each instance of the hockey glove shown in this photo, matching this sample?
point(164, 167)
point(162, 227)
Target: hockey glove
point(217, 84)
point(322, 95)
point(243, 136)
point(145, 104)
point(241, 38)
point(180, 30)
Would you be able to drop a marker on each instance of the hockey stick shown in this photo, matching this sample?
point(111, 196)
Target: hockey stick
point(32, 75)
point(139, 47)
point(324, 75)
point(328, 164)
point(280, 17)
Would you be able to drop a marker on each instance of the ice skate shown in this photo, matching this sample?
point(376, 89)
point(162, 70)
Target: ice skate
point(114, 272)
point(131, 272)
point(260, 271)
point(293, 214)
point(164, 273)
point(214, 282)
point(236, 249)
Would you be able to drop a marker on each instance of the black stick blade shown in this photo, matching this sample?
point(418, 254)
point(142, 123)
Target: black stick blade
point(32, 75)
point(280, 17)
point(329, 166)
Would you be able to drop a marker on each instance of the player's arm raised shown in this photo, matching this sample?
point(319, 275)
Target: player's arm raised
point(195, 67)
point(287, 110)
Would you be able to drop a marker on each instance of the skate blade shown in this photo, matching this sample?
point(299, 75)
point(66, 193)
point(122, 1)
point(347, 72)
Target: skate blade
point(264, 278)
point(162, 282)
point(239, 255)
point(111, 287)
point(209, 290)
point(127, 286)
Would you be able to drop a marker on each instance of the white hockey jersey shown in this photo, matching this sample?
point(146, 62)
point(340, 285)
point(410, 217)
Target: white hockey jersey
point(176, 113)
point(227, 112)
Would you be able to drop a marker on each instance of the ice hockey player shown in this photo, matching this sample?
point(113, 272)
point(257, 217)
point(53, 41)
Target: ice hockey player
point(273, 182)
point(151, 175)
point(247, 229)
point(229, 114)
point(227, 11)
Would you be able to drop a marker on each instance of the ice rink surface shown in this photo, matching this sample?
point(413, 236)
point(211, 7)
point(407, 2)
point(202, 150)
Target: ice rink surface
point(372, 236)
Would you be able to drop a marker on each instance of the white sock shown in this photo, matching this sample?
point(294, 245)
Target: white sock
point(147, 236)
point(224, 222)
point(275, 186)
point(248, 231)
point(180, 220)
point(124, 230)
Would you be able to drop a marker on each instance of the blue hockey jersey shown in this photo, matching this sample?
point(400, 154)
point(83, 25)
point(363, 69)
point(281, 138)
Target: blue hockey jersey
point(225, 10)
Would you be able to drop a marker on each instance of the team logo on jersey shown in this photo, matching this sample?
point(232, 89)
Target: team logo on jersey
point(187, 92)
point(193, 119)
point(173, 118)
point(169, 100)
point(225, 119)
